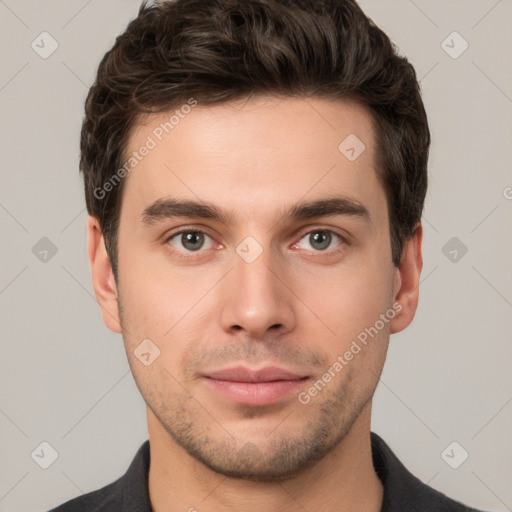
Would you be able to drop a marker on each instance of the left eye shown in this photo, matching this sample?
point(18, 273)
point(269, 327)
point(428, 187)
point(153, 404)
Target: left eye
point(190, 241)
point(320, 240)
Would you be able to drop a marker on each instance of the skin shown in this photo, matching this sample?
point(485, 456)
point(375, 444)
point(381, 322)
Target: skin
point(296, 306)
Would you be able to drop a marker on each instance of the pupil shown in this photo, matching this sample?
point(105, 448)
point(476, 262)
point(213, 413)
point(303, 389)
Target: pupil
point(320, 239)
point(192, 241)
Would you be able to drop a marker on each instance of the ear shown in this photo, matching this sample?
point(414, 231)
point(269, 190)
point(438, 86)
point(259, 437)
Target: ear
point(103, 281)
point(407, 281)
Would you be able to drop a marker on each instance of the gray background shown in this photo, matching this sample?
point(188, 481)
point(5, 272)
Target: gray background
point(64, 377)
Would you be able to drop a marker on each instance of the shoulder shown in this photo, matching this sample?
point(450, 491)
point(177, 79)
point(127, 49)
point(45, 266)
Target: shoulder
point(102, 500)
point(128, 493)
point(402, 490)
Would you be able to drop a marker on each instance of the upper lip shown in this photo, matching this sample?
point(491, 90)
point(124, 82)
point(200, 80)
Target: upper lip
point(241, 374)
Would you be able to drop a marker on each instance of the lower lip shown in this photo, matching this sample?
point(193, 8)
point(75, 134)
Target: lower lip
point(255, 393)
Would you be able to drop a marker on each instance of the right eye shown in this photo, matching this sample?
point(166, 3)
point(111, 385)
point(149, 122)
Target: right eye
point(190, 241)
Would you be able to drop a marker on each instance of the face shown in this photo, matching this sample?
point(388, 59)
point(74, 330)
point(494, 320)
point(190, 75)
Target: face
point(255, 256)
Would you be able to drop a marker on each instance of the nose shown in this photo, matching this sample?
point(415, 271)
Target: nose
point(257, 297)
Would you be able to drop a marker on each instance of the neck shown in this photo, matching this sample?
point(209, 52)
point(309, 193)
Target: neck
point(343, 480)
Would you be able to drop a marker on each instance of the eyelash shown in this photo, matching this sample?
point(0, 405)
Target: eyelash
point(193, 254)
point(185, 254)
point(330, 252)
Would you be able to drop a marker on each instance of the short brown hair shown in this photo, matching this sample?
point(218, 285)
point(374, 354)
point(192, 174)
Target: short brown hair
point(220, 50)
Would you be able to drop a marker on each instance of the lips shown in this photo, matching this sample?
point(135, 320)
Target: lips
point(254, 387)
point(241, 374)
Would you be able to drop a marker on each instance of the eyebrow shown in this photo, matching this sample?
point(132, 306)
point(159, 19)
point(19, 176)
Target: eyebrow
point(169, 208)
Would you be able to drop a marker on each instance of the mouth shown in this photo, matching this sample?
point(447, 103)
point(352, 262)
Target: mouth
point(265, 386)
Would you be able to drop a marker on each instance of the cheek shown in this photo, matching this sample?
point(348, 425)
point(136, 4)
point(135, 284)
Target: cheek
point(173, 307)
point(347, 303)
point(154, 295)
point(148, 309)
point(346, 299)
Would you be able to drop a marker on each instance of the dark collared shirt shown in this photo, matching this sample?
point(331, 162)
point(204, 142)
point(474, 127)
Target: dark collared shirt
point(403, 492)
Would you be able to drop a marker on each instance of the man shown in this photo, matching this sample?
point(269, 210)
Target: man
point(255, 172)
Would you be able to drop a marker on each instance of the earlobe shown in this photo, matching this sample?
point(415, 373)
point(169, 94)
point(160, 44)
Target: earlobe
point(407, 281)
point(103, 281)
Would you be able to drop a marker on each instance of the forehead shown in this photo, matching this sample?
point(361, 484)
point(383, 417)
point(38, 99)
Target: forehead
point(253, 152)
